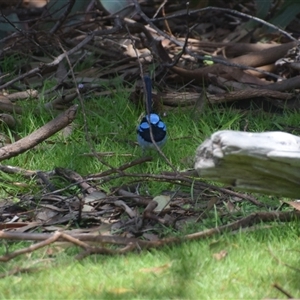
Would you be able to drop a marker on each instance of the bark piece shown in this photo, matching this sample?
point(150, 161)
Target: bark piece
point(267, 162)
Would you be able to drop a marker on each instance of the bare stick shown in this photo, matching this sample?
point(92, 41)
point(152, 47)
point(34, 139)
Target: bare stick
point(72, 176)
point(31, 248)
point(39, 135)
point(75, 241)
point(63, 17)
point(55, 62)
point(17, 170)
point(122, 168)
point(284, 292)
point(227, 10)
point(53, 238)
point(248, 221)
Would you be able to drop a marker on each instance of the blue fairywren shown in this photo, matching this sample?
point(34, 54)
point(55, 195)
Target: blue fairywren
point(158, 127)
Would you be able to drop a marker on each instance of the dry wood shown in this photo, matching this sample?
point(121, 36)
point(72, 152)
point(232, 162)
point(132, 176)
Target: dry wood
point(39, 135)
point(255, 59)
point(247, 94)
point(75, 177)
point(267, 68)
point(11, 108)
point(51, 239)
point(263, 57)
point(133, 243)
point(265, 162)
point(63, 100)
point(31, 248)
point(285, 85)
point(8, 120)
point(54, 63)
point(188, 99)
point(17, 170)
point(23, 95)
point(230, 49)
point(204, 75)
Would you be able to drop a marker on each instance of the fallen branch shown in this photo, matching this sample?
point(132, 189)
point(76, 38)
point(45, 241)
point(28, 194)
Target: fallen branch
point(133, 243)
point(247, 94)
point(39, 135)
point(52, 238)
point(23, 95)
point(19, 270)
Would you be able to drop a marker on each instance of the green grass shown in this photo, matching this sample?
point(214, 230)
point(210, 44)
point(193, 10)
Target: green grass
point(187, 271)
point(190, 272)
point(111, 125)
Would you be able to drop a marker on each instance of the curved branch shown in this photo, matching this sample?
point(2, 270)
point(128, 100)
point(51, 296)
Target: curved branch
point(39, 135)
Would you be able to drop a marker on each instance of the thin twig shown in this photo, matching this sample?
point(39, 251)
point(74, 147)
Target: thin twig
point(200, 57)
point(25, 35)
point(280, 289)
point(86, 130)
point(55, 62)
point(279, 261)
point(234, 12)
point(48, 241)
point(63, 17)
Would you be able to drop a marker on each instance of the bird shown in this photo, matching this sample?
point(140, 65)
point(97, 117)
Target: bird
point(151, 122)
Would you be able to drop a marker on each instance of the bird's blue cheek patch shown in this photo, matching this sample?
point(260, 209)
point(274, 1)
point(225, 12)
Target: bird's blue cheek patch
point(162, 125)
point(144, 126)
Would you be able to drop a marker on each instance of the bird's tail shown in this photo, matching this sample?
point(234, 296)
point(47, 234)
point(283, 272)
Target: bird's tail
point(148, 85)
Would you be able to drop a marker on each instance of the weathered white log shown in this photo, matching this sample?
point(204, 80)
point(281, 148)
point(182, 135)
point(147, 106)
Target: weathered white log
point(267, 162)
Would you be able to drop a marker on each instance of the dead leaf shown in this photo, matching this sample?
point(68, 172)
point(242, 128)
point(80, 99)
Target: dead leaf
point(119, 291)
point(94, 196)
point(294, 204)
point(4, 140)
point(105, 228)
point(210, 204)
point(230, 206)
point(34, 3)
point(13, 225)
point(45, 214)
point(67, 131)
point(156, 270)
point(220, 255)
point(87, 208)
point(162, 202)
point(151, 237)
point(54, 250)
